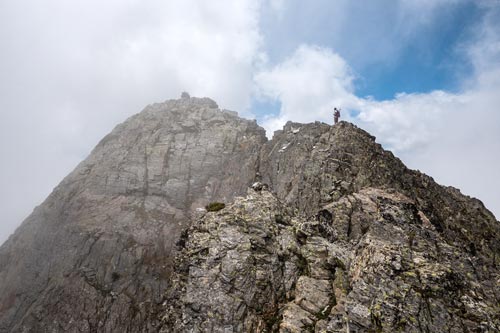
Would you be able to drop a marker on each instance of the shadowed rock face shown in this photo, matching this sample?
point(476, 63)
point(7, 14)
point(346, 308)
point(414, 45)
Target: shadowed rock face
point(346, 239)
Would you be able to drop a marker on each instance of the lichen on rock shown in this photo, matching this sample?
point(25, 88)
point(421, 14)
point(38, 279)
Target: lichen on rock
point(379, 281)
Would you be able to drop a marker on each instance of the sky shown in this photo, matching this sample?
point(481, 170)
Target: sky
point(423, 76)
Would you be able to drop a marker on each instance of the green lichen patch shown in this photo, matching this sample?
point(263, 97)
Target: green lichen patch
point(215, 206)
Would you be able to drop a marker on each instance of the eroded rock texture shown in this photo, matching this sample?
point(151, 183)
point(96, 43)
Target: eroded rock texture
point(96, 255)
point(370, 261)
point(337, 235)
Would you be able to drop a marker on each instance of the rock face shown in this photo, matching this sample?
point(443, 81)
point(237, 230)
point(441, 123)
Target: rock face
point(96, 255)
point(323, 231)
point(257, 267)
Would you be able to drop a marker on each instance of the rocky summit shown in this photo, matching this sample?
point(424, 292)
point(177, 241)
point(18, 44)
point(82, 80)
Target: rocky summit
point(185, 218)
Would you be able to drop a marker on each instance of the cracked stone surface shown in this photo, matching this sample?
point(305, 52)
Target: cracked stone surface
point(96, 254)
point(258, 266)
point(323, 231)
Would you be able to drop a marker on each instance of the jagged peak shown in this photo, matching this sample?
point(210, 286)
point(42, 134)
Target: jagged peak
point(187, 103)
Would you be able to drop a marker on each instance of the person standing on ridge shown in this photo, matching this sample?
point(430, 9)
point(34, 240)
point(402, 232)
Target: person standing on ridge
point(336, 115)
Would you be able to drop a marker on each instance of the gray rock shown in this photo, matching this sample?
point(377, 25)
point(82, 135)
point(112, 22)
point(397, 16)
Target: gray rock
point(345, 239)
point(103, 240)
point(397, 275)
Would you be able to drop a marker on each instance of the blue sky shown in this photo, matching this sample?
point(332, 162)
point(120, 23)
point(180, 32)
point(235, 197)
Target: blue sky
point(423, 76)
point(430, 58)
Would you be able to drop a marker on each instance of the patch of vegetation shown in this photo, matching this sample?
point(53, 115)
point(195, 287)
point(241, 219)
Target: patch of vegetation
point(376, 318)
point(341, 281)
point(215, 206)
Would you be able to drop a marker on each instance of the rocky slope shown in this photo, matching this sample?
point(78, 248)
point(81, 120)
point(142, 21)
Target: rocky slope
point(344, 238)
point(96, 254)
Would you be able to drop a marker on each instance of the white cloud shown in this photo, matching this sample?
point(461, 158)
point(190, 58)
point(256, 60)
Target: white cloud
point(72, 70)
point(308, 84)
point(454, 137)
point(410, 121)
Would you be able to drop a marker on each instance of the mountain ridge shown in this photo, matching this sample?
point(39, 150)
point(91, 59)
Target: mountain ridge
point(100, 253)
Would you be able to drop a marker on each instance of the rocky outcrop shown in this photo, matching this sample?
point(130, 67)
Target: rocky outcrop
point(256, 266)
point(334, 235)
point(96, 255)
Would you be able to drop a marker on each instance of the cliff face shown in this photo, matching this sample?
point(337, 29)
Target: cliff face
point(344, 239)
point(347, 240)
point(96, 255)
